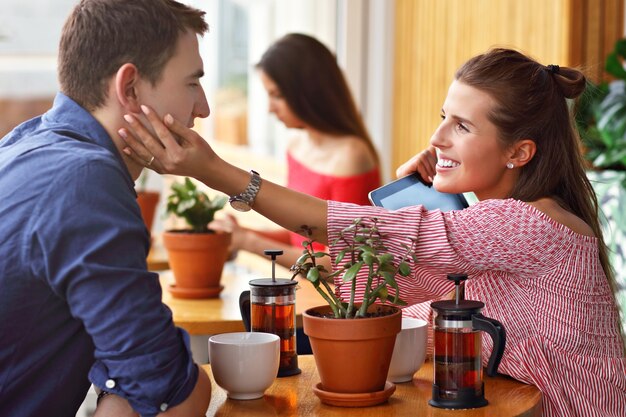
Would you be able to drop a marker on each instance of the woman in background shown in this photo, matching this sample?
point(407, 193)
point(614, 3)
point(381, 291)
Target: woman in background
point(331, 156)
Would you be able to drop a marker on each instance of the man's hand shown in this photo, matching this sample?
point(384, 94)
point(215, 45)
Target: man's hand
point(196, 405)
point(114, 406)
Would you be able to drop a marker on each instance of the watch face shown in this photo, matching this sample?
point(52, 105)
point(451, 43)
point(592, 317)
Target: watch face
point(239, 205)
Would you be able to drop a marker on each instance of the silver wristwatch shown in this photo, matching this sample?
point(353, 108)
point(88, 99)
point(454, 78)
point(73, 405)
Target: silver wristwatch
point(244, 201)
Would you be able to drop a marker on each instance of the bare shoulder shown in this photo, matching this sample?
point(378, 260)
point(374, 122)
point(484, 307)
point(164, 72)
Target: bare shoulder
point(557, 213)
point(353, 157)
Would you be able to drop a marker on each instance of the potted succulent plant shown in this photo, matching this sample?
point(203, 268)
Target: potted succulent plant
point(146, 199)
point(352, 341)
point(601, 122)
point(197, 254)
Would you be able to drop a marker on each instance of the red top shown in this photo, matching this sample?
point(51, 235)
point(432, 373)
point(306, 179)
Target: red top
point(352, 189)
point(540, 279)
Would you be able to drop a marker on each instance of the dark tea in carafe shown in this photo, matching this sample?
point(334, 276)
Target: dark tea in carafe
point(280, 320)
point(458, 362)
point(271, 307)
point(457, 325)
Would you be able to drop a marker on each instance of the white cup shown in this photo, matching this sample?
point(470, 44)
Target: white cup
point(409, 351)
point(244, 364)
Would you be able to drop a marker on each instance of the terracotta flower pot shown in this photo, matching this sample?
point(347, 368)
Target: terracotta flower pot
point(197, 261)
point(352, 355)
point(148, 201)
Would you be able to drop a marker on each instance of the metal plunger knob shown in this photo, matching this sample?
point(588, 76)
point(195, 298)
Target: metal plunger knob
point(459, 285)
point(273, 253)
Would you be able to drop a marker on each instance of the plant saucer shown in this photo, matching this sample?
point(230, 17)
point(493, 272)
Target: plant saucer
point(179, 292)
point(365, 399)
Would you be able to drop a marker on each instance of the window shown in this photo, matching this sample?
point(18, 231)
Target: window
point(240, 31)
point(359, 31)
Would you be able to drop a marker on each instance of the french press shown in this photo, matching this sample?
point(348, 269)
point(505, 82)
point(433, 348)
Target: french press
point(270, 307)
point(458, 380)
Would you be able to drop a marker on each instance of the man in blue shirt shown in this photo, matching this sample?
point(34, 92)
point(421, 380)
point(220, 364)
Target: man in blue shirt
point(77, 303)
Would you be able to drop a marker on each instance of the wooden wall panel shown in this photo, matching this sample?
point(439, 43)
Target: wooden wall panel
point(434, 37)
point(595, 26)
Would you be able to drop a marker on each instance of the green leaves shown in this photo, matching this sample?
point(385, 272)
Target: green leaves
point(601, 115)
point(611, 125)
point(351, 272)
point(364, 258)
point(404, 269)
point(613, 64)
point(193, 205)
point(313, 275)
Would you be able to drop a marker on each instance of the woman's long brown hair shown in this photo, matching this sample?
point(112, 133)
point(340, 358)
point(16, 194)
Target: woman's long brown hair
point(310, 80)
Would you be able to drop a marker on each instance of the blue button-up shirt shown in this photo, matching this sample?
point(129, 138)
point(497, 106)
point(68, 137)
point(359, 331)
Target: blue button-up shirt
point(77, 303)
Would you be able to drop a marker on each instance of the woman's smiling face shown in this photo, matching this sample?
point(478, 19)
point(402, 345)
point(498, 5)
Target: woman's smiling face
point(470, 155)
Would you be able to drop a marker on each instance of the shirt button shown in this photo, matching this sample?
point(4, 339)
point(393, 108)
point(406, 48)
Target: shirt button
point(164, 407)
point(110, 384)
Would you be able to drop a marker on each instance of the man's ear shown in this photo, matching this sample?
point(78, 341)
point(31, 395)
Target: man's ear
point(126, 80)
point(522, 152)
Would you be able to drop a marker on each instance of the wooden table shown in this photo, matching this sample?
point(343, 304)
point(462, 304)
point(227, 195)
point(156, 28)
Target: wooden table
point(293, 396)
point(220, 315)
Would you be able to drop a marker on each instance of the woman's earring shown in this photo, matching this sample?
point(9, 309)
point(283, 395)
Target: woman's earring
point(510, 165)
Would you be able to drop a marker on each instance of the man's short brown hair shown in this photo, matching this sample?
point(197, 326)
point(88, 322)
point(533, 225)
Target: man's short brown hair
point(99, 36)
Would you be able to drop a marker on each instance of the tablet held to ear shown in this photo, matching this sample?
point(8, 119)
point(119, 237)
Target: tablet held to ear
point(412, 190)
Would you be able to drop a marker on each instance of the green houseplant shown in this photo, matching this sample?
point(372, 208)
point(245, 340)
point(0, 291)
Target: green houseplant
point(601, 122)
point(197, 254)
point(364, 251)
point(601, 116)
point(193, 205)
point(352, 342)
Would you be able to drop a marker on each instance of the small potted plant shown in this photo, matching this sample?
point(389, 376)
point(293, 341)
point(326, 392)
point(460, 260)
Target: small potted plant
point(352, 341)
point(197, 254)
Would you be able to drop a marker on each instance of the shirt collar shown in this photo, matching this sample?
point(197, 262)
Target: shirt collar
point(66, 112)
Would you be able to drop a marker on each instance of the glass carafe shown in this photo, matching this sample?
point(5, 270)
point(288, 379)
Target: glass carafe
point(458, 373)
point(270, 307)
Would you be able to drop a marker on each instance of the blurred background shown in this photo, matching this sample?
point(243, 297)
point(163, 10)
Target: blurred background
point(399, 57)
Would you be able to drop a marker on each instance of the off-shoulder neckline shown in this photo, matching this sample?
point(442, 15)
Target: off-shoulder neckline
point(560, 226)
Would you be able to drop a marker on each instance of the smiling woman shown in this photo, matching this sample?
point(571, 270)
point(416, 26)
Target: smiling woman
point(469, 150)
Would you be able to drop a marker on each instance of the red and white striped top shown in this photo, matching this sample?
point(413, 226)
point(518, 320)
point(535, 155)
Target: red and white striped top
point(540, 279)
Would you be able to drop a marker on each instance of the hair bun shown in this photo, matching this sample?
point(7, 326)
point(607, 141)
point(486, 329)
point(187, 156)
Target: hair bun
point(571, 81)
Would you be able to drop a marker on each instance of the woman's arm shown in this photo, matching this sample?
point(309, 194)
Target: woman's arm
point(181, 151)
point(423, 163)
point(256, 243)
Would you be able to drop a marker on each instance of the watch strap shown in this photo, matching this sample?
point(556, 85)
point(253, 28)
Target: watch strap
point(247, 197)
point(101, 395)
